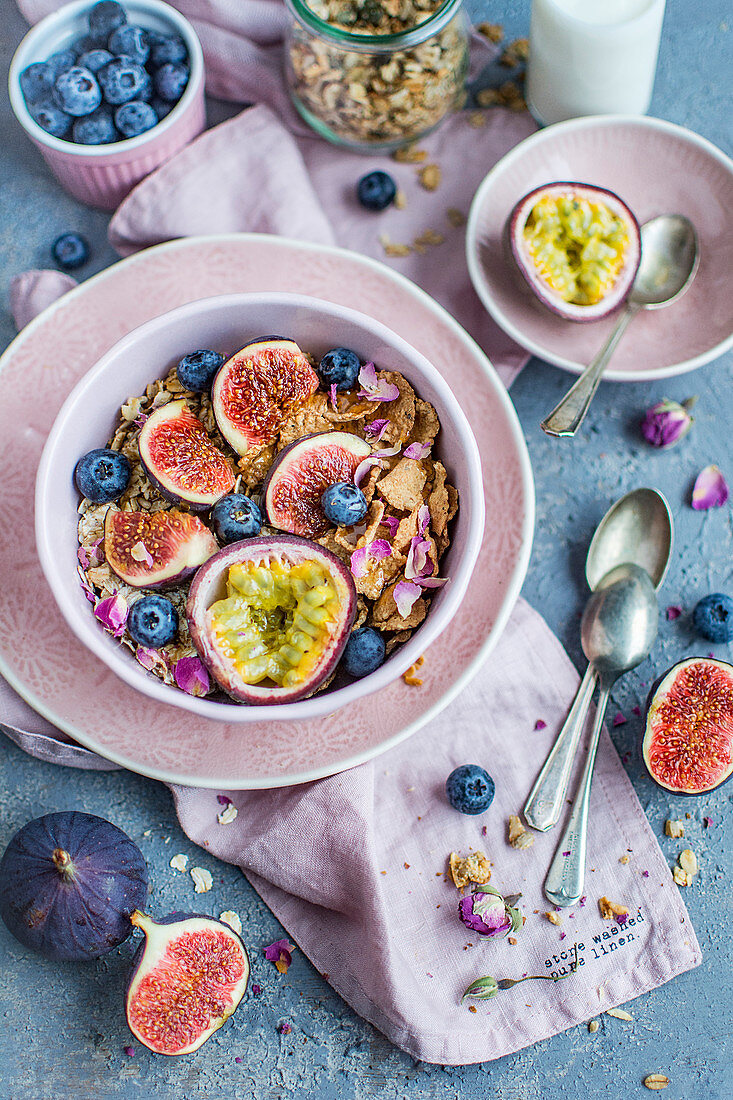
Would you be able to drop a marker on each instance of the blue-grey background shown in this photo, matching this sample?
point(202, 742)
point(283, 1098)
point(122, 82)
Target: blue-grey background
point(63, 1030)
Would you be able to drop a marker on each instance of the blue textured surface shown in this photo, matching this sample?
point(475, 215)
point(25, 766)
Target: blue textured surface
point(63, 1030)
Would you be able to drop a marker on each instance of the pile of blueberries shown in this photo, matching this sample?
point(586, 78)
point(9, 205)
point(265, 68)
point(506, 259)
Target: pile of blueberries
point(115, 82)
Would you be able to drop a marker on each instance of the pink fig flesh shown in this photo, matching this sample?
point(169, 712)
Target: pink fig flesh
point(180, 459)
point(154, 549)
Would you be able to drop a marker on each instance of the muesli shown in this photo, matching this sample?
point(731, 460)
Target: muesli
point(300, 427)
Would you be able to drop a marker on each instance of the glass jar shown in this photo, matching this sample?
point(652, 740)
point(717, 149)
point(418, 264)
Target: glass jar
point(371, 90)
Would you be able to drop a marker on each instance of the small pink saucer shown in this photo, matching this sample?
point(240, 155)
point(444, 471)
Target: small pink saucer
point(656, 168)
point(63, 681)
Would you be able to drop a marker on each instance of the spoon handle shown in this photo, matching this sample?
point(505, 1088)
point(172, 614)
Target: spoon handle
point(568, 415)
point(544, 805)
point(564, 882)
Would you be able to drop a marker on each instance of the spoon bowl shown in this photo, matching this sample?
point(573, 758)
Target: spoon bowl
point(637, 528)
point(620, 622)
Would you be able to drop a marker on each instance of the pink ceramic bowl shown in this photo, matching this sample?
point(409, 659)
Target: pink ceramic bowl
point(88, 416)
point(102, 175)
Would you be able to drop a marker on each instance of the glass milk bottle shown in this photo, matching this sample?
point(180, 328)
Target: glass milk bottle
point(592, 57)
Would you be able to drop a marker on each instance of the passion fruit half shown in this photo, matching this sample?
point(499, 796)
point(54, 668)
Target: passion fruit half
point(270, 617)
point(577, 246)
point(688, 739)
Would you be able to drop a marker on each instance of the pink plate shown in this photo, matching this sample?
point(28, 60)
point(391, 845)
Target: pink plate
point(656, 168)
point(70, 687)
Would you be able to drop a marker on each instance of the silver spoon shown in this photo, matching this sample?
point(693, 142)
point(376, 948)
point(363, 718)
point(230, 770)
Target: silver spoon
point(617, 631)
point(669, 260)
point(638, 528)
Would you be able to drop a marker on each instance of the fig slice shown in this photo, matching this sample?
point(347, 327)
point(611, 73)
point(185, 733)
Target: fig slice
point(258, 388)
point(188, 978)
point(688, 739)
point(152, 549)
point(577, 246)
point(270, 617)
point(180, 459)
point(300, 474)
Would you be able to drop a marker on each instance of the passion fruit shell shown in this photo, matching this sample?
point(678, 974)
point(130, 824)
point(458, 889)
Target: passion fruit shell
point(577, 247)
point(187, 980)
point(258, 388)
point(270, 617)
point(155, 549)
point(300, 474)
point(688, 738)
point(180, 459)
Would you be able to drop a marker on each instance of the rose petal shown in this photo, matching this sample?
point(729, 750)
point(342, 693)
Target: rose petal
point(711, 489)
point(417, 450)
point(376, 389)
point(141, 553)
point(377, 550)
point(405, 595)
point(112, 613)
point(419, 563)
point(280, 953)
point(82, 557)
point(431, 582)
point(373, 459)
point(485, 913)
point(151, 659)
point(423, 519)
point(540, 724)
point(375, 429)
point(333, 397)
point(619, 720)
point(191, 676)
point(391, 523)
point(87, 588)
point(673, 612)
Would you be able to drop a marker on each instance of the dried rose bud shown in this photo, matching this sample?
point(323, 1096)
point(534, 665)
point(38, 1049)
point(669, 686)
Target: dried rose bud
point(667, 422)
point(488, 913)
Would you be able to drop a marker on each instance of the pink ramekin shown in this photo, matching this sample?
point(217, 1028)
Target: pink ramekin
point(102, 175)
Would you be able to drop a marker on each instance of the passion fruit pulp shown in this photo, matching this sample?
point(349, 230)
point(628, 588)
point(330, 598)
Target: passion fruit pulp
point(688, 739)
point(577, 246)
point(270, 617)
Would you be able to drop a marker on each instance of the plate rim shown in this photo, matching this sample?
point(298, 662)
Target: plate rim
point(540, 137)
point(513, 587)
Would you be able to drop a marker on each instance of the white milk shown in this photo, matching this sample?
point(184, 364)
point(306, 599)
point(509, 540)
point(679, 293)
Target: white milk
point(589, 57)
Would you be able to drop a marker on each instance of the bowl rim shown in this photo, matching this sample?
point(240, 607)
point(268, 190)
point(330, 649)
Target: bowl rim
point(58, 20)
point(475, 267)
point(87, 630)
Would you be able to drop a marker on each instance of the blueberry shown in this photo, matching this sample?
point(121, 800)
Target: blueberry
point(344, 504)
point(235, 517)
point(713, 617)
point(102, 475)
point(153, 621)
point(132, 41)
point(51, 119)
point(365, 651)
point(196, 371)
point(37, 81)
point(161, 108)
point(122, 80)
point(83, 45)
point(340, 368)
point(170, 81)
point(96, 129)
point(376, 190)
point(104, 18)
point(70, 251)
point(167, 48)
point(94, 60)
point(470, 789)
point(77, 92)
point(62, 61)
point(135, 118)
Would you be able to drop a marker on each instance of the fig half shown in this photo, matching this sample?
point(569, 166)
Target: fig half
point(153, 549)
point(577, 246)
point(270, 617)
point(688, 739)
point(180, 459)
point(188, 978)
point(258, 388)
point(300, 474)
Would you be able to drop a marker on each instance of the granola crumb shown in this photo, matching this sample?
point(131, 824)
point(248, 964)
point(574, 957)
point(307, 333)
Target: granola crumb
point(674, 828)
point(488, 97)
point(512, 941)
point(611, 909)
point(516, 53)
point(400, 199)
point(624, 859)
point(409, 154)
point(430, 176)
point(517, 835)
point(593, 1026)
point(472, 1008)
point(493, 31)
point(553, 918)
point(467, 869)
point(456, 217)
point(619, 1014)
point(477, 119)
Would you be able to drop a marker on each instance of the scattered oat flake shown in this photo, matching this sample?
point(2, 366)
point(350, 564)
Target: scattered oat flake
point(232, 919)
point(227, 815)
point(681, 877)
point(430, 176)
point(619, 720)
point(656, 1081)
point(202, 880)
point(619, 1013)
point(553, 918)
point(673, 612)
point(409, 155)
point(179, 862)
point(674, 828)
point(593, 1026)
point(688, 861)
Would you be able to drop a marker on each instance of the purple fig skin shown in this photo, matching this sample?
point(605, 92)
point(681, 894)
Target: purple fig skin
point(528, 280)
point(360, 450)
point(644, 744)
point(208, 586)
